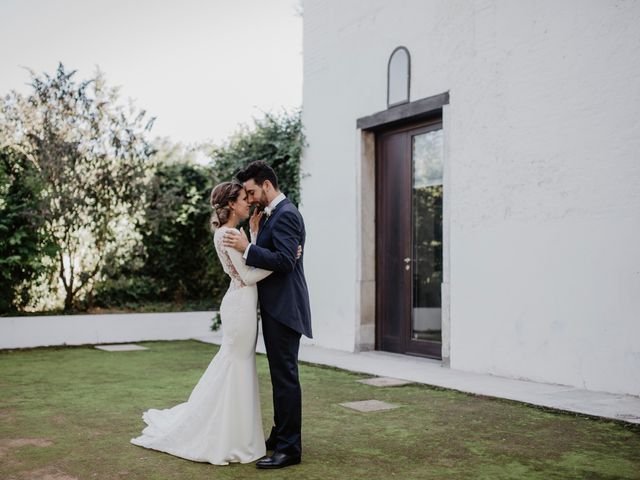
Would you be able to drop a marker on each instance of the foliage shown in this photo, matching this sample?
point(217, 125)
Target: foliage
point(428, 246)
point(177, 237)
point(23, 241)
point(216, 322)
point(123, 289)
point(277, 138)
point(177, 260)
point(88, 203)
point(90, 152)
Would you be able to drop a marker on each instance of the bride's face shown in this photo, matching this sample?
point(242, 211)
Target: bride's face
point(241, 205)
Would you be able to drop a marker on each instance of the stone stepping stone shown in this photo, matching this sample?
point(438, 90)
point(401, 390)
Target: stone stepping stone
point(123, 347)
point(385, 382)
point(369, 406)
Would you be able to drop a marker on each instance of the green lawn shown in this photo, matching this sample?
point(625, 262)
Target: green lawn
point(69, 413)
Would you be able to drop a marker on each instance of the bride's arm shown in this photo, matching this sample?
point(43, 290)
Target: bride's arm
point(249, 275)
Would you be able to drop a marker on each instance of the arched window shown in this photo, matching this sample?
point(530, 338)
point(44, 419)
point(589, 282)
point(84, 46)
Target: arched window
point(398, 77)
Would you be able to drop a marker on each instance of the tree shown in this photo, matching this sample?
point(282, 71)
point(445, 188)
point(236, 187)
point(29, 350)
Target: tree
point(90, 153)
point(277, 139)
point(23, 241)
point(176, 260)
point(177, 238)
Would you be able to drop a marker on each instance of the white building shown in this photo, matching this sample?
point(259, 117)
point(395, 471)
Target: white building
point(490, 216)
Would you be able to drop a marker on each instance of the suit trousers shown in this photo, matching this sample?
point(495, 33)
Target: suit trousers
point(282, 344)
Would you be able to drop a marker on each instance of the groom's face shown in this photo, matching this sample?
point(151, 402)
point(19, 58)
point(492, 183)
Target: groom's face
point(255, 193)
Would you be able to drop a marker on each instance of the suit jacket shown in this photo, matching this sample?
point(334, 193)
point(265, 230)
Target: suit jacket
point(283, 295)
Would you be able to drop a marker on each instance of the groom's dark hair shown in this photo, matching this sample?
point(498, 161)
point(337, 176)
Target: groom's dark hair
point(259, 171)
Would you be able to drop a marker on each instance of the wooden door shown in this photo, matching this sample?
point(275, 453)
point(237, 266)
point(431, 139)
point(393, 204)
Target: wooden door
point(409, 240)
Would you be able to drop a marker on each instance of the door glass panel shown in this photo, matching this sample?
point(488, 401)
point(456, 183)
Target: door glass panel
point(426, 262)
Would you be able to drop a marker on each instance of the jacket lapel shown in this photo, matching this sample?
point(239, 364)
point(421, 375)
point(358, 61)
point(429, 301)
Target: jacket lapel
point(270, 218)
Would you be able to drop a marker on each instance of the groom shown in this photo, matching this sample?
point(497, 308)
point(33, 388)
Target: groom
point(284, 304)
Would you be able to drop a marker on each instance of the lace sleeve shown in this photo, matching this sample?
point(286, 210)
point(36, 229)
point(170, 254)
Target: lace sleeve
point(235, 265)
point(225, 260)
point(249, 275)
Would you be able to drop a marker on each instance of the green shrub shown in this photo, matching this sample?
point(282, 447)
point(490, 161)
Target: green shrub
point(173, 259)
point(126, 290)
point(24, 243)
point(276, 139)
point(176, 261)
point(177, 239)
point(90, 153)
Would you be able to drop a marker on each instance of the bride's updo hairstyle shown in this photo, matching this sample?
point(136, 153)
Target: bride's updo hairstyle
point(221, 195)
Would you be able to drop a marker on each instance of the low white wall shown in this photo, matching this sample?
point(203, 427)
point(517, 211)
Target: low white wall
point(25, 332)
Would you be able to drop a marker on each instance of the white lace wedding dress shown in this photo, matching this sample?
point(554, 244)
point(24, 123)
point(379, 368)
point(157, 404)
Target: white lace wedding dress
point(221, 422)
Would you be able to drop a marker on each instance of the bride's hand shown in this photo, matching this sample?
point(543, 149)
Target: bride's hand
point(254, 221)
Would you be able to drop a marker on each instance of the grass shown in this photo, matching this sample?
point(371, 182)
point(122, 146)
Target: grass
point(68, 413)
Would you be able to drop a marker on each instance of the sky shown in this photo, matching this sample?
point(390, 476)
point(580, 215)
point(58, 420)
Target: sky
point(202, 67)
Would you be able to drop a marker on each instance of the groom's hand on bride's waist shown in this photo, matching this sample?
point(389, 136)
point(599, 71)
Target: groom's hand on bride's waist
point(236, 240)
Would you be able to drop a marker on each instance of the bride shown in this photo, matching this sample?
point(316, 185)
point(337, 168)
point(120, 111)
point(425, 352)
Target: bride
point(221, 422)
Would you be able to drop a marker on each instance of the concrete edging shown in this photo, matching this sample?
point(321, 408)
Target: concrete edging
point(39, 331)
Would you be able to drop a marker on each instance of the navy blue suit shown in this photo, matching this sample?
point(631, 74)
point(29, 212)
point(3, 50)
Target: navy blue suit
point(286, 315)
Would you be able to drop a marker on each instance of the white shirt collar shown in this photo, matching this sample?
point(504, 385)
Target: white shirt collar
point(274, 203)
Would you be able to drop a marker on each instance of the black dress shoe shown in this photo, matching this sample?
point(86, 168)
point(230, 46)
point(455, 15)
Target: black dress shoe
point(278, 460)
point(270, 443)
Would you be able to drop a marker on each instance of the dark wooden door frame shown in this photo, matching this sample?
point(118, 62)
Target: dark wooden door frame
point(387, 274)
point(407, 116)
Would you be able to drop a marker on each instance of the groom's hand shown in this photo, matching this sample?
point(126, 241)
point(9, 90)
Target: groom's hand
point(236, 240)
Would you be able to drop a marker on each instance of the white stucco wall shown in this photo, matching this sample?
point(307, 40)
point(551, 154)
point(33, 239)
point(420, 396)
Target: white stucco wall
point(41, 331)
point(543, 132)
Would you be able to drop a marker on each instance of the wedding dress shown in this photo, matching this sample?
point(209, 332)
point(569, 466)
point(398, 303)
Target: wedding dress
point(221, 422)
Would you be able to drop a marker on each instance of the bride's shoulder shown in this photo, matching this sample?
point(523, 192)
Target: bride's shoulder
point(221, 230)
